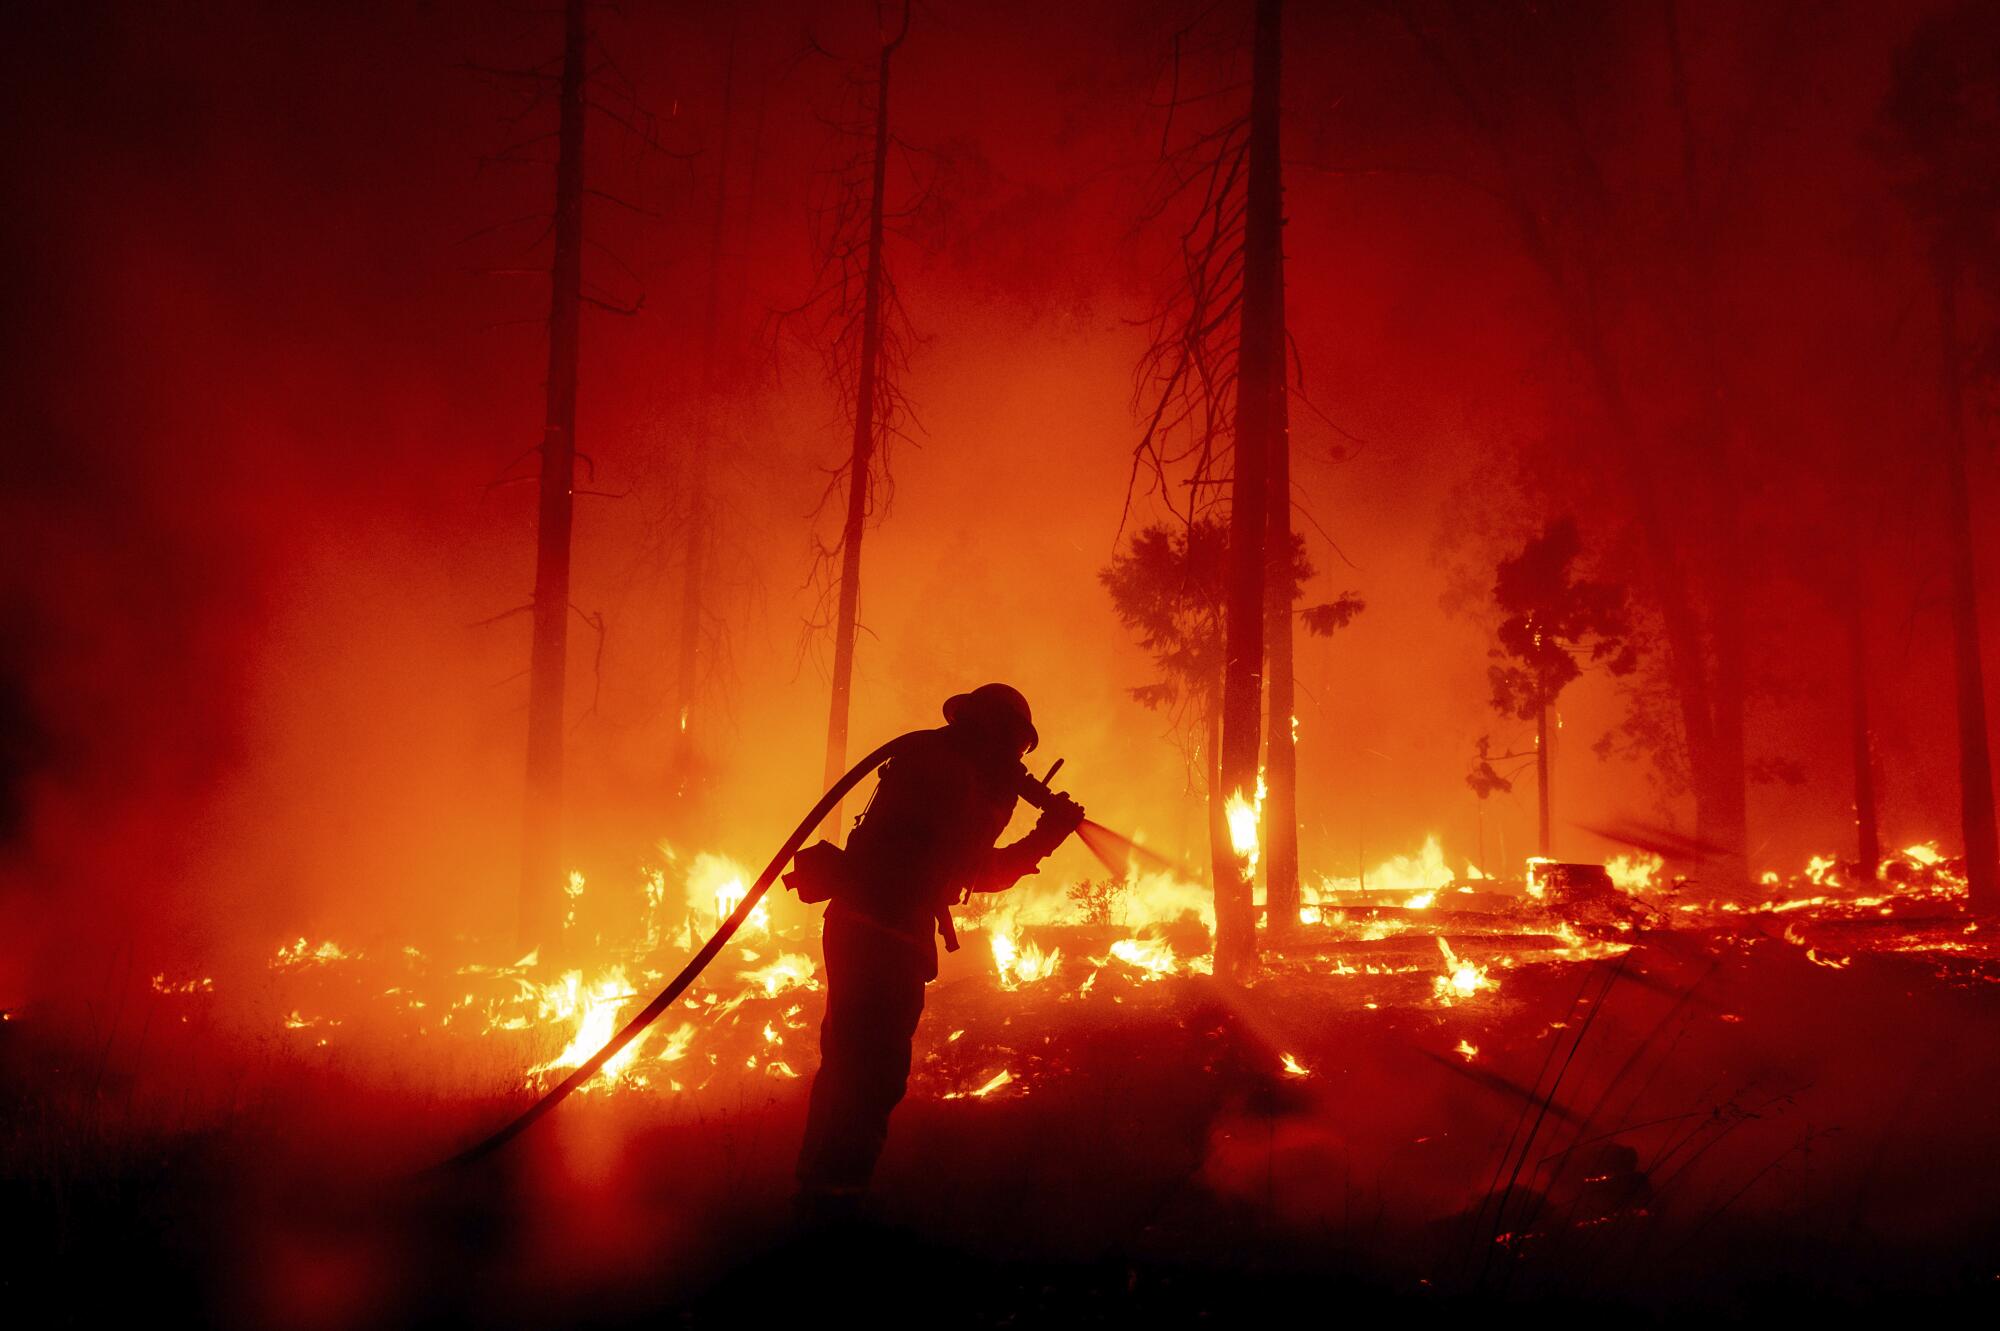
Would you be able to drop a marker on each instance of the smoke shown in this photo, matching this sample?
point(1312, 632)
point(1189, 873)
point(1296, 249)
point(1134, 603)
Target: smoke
point(259, 673)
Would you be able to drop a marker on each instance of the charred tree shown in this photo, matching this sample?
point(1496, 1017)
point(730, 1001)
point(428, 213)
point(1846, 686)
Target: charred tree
point(1264, 305)
point(1975, 762)
point(1943, 139)
point(581, 82)
point(1221, 851)
point(867, 388)
point(542, 816)
point(1168, 587)
point(1260, 415)
point(1212, 390)
point(699, 533)
point(1867, 836)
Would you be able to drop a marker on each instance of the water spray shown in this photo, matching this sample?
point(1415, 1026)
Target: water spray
point(1114, 850)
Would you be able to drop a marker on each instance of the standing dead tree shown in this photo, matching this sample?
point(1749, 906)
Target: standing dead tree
point(581, 71)
point(1263, 424)
point(1944, 137)
point(864, 340)
point(541, 816)
point(1215, 379)
point(720, 358)
point(1168, 587)
point(1867, 829)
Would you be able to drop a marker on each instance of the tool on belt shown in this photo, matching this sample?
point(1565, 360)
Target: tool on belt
point(820, 872)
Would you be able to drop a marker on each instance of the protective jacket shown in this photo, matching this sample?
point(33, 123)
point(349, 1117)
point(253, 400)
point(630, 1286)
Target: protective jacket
point(926, 838)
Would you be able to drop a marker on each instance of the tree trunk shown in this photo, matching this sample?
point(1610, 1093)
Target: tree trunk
point(541, 855)
point(1542, 782)
point(1975, 764)
point(1707, 669)
point(694, 567)
point(1722, 804)
point(864, 447)
point(1281, 808)
point(1260, 387)
point(1221, 854)
point(1867, 839)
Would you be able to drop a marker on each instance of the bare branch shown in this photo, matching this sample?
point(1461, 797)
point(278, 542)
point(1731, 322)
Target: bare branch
point(504, 614)
point(623, 311)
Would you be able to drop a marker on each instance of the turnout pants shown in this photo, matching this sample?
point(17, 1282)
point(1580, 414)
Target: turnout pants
point(874, 995)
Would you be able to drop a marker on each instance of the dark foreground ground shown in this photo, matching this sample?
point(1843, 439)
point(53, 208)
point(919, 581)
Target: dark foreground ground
point(1710, 1126)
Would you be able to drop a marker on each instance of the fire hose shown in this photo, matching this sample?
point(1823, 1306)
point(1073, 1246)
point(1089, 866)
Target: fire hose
point(663, 1000)
point(1035, 792)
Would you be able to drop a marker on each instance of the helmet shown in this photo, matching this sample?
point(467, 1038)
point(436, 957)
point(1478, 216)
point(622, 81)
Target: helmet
point(993, 706)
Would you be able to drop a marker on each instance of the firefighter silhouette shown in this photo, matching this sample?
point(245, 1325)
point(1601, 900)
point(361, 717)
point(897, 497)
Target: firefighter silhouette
point(925, 840)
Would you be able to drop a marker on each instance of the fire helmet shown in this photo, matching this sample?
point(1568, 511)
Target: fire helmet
point(997, 706)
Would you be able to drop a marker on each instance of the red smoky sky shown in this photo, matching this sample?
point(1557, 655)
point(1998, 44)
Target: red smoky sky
point(276, 335)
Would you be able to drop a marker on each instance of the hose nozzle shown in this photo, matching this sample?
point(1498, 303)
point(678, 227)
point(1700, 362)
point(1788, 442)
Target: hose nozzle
point(1037, 793)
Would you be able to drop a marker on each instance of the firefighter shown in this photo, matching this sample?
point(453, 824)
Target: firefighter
point(924, 842)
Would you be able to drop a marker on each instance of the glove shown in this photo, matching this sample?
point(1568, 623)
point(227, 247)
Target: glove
point(1061, 816)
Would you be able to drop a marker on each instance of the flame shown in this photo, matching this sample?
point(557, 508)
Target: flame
point(1426, 871)
point(999, 1079)
point(792, 970)
point(303, 953)
point(722, 1034)
point(1243, 815)
point(1163, 898)
point(1633, 873)
point(1461, 978)
point(1151, 957)
point(719, 883)
point(676, 1047)
point(653, 884)
point(1575, 947)
point(593, 1010)
point(1019, 963)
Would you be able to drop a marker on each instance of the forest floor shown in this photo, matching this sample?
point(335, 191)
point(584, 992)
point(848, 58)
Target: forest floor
point(1769, 1115)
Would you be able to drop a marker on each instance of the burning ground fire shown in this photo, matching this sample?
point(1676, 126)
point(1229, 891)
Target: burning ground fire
point(1412, 934)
